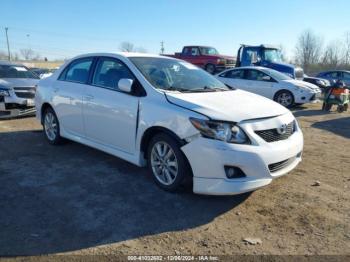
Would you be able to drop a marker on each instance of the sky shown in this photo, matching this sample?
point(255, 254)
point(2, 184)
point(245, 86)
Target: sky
point(62, 29)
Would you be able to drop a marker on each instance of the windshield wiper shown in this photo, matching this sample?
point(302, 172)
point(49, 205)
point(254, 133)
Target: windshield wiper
point(174, 88)
point(209, 89)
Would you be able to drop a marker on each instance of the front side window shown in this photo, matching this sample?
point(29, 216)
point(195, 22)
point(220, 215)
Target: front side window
point(333, 75)
point(272, 55)
point(176, 75)
point(249, 54)
point(78, 70)
point(235, 74)
point(195, 51)
point(16, 71)
point(256, 75)
point(108, 73)
point(346, 76)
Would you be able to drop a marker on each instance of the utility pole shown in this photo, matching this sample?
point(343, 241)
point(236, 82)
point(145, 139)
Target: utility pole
point(162, 47)
point(8, 45)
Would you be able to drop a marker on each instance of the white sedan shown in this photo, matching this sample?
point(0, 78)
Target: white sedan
point(271, 84)
point(173, 117)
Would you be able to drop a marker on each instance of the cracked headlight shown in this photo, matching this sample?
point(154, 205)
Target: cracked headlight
point(223, 131)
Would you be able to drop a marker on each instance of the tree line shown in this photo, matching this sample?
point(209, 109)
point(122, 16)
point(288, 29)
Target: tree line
point(313, 56)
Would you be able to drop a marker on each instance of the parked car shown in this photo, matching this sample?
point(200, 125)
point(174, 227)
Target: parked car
point(336, 75)
point(267, 56)
point(175, 118)
point(43, 72)
point(271, 84)
point(205, 57)
point(17, 90)
point(320, 82)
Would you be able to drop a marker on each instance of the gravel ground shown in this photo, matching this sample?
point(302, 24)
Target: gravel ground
point(72, 199)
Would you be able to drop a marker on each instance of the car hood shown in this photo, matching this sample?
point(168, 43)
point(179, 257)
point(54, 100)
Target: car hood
point(233, 106)
point(302, 84)
point(18, 82)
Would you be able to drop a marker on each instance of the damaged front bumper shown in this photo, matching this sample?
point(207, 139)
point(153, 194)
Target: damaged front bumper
point(13, 106)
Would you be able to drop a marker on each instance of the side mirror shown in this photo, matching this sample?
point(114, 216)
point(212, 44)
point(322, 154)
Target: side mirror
point(125, 85)
point(266, 78)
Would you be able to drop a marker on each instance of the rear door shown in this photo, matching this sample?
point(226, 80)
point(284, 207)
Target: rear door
point(233, 78)
point(68, 95)
point(110, 116)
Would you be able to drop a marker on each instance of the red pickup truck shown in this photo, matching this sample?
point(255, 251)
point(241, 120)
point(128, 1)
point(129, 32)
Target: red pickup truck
point(205, 57)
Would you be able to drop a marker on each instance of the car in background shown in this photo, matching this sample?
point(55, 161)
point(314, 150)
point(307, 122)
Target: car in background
point(335, 75)
point(43, 72)
point(205, 57)
point(17, 90)
point(271, 84)
point(320, 82)
point(173, 117)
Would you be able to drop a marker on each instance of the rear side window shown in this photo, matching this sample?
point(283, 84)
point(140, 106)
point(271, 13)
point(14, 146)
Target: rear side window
point(109, 71)
point(332, 75)
point(235, 74)
point(77, 71)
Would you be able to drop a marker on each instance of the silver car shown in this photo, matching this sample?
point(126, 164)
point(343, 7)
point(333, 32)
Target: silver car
point(17, 90)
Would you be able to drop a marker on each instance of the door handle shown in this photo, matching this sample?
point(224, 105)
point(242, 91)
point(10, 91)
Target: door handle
point(89, 97)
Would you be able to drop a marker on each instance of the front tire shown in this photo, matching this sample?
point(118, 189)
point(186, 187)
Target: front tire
point(167, 163)
point(285, 98)
point(51, 127)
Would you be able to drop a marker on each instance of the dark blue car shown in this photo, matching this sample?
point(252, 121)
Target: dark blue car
point(335, 75)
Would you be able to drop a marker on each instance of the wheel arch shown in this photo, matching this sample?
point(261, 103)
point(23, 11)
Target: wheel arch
point(151, 132)
point(44, 106)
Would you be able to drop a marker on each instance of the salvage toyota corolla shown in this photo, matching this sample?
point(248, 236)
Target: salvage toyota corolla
point(165, 113)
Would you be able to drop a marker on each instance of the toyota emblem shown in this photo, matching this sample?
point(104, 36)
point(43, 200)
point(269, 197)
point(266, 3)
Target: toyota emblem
point(282, 129)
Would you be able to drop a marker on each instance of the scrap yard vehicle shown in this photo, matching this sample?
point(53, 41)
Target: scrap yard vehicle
point(267, 56)
point(271, 84)
point(180, 121)
point(205, 57)
point(17, 90)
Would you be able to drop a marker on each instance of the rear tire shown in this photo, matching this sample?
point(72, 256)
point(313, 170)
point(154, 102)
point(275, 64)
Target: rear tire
point(51, 127)
point(167, 163)
point(284, 98)
point(210, 68)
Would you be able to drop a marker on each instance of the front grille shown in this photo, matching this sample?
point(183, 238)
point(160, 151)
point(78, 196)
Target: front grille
point(313, 97)
point(277, 134)
point(280, 165)
point(230, 61)
point(25, 92)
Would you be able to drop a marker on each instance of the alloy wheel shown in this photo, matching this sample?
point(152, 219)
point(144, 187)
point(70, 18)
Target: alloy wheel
point(164, 163)
point(50, 125)
point(285, 99)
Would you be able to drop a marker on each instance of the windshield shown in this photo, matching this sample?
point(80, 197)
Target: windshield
point(177, 75)
point(272, 55)
point(208, 51)
point(14, 71)
point(276, 75)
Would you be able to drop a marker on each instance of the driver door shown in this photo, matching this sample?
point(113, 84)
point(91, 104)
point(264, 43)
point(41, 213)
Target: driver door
point(110, 115)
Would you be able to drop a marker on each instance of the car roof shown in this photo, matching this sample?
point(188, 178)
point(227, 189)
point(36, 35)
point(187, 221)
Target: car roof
point(120, 54)
point(331, 71)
